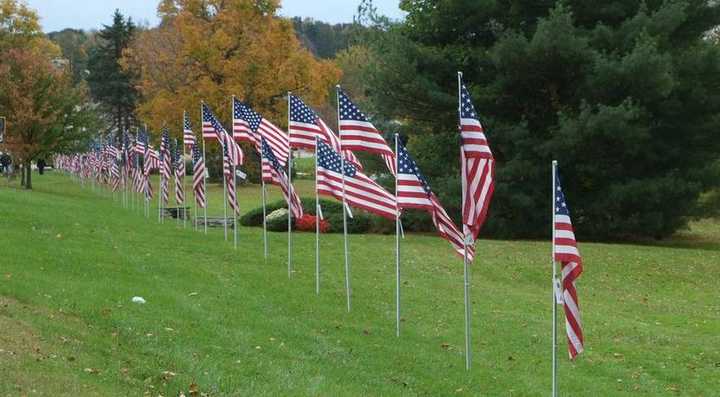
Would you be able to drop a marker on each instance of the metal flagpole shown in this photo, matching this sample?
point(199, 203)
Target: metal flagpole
point(207, 193)
point(137, 162)
point(124, 173)
point(195, 205)
point(290, 193)
point(235, 210)
point(146, 180)
point(554, 285)
point(185, 195)
point(466, 271)
point(397, 245)
point(160, 185)
point(318, 214)
point(225, 203)
point(174, 172)
point(342, 172)
point(234, 176)
point(264, 206)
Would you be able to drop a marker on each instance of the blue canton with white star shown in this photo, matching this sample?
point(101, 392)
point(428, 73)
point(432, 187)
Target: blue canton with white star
point(197, 156)
point(331, 160)
point(348, 110)
point(209, 117)
point(561, 207)
point(267, 153)
point(406, 165)
point(467, 110)
point(300, 112)
point(164, 142)
point(243, 111)
point(186, 123)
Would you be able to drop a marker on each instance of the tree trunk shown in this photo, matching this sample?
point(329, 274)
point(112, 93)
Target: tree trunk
point(28, 174)
point(22, 174)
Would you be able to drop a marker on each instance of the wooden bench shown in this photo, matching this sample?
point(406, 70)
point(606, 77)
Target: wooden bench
point(176, 212)
point(214, 221)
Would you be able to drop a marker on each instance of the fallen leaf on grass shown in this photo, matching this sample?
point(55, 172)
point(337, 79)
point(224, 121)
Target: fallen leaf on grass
point(92, 370)
point(193, 294)
point(194, 390)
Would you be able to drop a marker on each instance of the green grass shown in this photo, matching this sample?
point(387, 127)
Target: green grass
point(305, 167)
point(71, 258)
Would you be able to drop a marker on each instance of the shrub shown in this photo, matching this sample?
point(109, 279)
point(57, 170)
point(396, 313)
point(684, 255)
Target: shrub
point(332, 211)
point(277, 220)
point(307, 223)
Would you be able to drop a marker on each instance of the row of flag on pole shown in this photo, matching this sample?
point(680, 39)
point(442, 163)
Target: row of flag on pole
point(339, 174)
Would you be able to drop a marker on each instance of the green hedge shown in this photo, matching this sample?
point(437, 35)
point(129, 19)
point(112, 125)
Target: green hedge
point(362, 222)
point(332, 211)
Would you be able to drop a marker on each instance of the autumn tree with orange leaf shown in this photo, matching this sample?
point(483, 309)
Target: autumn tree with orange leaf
point(210, 50)
point(45, 112)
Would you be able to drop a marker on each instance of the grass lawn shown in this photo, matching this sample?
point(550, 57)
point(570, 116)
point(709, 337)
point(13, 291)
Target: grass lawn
point(227, 322)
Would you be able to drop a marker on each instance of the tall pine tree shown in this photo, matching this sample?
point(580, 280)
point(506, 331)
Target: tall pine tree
point(623, 93)
point(110, 85)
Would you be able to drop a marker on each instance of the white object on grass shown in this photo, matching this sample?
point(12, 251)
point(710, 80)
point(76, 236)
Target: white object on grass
point(138, 299)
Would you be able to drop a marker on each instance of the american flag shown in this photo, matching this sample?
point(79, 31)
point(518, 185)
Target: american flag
point(358, 133)
point(566, 252)
point(141, 143)
point(228, 173)
point(115, 176)
point(149, 163)
point(188, 135)
point(127, 154)
point(413, 191)
point(209, 121)
point(165, 166)
point(240, 127)
point(280, 176)
point(305, 125)
point(198, 176)
point(179, 167)
point(360, 191)
point(276, 138)
point(477, 167)
point(137, 176)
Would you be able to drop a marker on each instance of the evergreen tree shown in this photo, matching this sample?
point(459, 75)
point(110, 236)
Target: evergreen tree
point(110, 85)
point(623, 93)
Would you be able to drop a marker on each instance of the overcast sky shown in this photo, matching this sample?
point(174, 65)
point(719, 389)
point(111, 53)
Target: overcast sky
point(92, 14)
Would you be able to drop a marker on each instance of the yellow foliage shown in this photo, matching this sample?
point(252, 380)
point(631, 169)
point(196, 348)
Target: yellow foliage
point(210, 50)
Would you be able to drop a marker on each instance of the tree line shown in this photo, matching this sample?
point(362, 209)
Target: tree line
point(624, 93)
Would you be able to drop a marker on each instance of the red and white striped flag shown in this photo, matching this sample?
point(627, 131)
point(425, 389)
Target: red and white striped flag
point(179, 168)
point(165, 167)
point(198, 176)
point(280, 178)
point(477, 167)
point(305, 125)
point(413, 191)
point(565, 251)
point(228, 173)
point(360, 191)
point(210, 122)
point(261, 128)
point(188, 135)
point(359, 134)
point(240, 129)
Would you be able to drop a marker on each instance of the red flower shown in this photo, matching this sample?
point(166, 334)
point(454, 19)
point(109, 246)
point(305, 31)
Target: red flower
point(307, 223)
